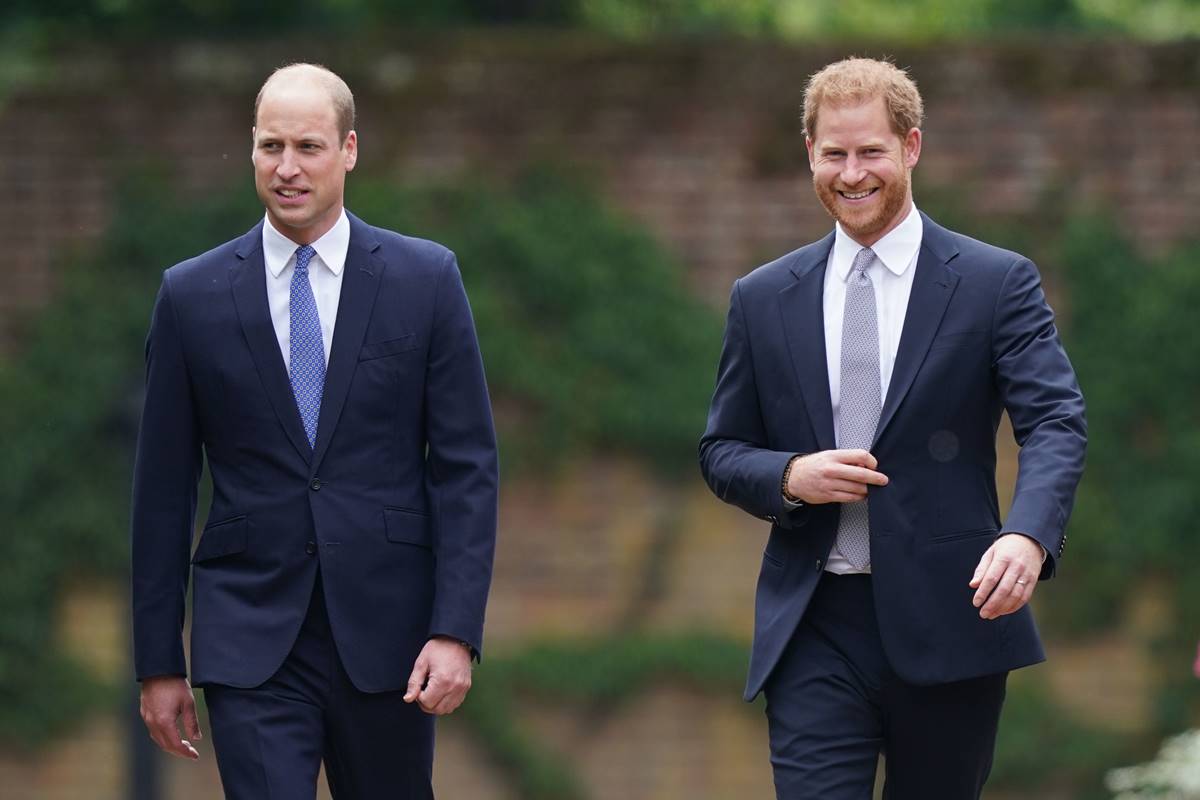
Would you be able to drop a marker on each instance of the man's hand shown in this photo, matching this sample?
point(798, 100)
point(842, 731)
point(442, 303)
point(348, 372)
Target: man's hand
point(834, 476)
point(164, 700)
point(1006, 575)
point(441, 676)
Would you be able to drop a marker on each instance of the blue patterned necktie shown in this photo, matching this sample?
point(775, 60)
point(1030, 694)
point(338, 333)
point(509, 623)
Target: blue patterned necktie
point(859, 402)
point(307, 350)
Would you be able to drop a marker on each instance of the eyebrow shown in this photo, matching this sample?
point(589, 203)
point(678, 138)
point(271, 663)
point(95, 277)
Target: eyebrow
point(308, 138)
point(825, 148)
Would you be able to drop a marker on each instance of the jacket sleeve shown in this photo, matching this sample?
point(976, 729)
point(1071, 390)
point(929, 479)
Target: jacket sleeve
point(165, 477)
point(735, 458)
point(463, 472)
point(1044, 402)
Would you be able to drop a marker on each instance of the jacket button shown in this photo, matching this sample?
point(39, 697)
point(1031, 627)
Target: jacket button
point(315, 485)
point(310, 548)
point(818, 565)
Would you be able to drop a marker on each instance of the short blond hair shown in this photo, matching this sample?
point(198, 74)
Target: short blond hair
point(856, 80)
point(339, 93)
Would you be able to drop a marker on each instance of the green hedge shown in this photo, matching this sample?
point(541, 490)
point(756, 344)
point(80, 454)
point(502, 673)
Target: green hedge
point(590, 341)
point(792, 19)
point(71, 404)
point(592, 345)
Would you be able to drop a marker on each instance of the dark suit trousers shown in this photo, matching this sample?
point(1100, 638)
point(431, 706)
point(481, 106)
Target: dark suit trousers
point(270, 740)
point(834, 704)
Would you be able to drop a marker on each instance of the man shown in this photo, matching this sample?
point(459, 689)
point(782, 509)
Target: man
point(329, 372)
point(857, 400)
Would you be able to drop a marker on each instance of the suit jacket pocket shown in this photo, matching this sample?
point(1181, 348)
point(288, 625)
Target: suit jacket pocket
point(390, 347)
point(958, 339)
point(224, 538)
point(973, 533)
point(406, 526)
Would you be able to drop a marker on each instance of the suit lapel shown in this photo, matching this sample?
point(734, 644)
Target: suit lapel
point(933, 286)
point(249, 284)
point(802, 308)
point(360, 285)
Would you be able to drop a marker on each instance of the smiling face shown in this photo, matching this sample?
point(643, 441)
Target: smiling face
point(862, 168)
point(300, 161)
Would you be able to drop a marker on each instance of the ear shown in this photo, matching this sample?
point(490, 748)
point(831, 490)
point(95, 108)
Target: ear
point(350, 148)
point(912, 148)
point(808, 145)
point(253, 134)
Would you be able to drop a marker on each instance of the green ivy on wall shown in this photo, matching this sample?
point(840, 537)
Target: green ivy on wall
point(71, 403)
point(592, 345)
point(1134, 343)
point(590, 341)
point(589, 338)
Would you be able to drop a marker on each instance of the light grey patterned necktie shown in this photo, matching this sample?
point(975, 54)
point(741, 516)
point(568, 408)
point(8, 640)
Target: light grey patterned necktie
point(860, 398)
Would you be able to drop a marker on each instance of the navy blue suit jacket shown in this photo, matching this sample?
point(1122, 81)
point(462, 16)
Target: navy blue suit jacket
point(396, 502)
point(978, 339)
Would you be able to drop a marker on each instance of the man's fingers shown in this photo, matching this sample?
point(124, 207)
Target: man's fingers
point(416, 680)
point(166, 703)
point(981, 569)
point(858, 490)
point(854, 474)
point(823, 477)
point(166, 736)
point(450, 698)
point(191, 724)
point(991, 577)
point(449, 703)
point(432, 694)
point(1022, 594)
point(1006, 576)
point(860, 457)
point(1011, 599)
point(999, 601)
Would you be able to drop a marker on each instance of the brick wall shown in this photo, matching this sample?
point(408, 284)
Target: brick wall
point(699, 141)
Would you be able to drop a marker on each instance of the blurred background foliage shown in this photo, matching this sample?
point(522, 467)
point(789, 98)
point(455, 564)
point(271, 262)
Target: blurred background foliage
point(581, 363)
point(577, 363)
point(784, 19)
point(592, 342)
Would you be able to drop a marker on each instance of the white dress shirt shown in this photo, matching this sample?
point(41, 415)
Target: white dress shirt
point(891, 273)
point(324, 275)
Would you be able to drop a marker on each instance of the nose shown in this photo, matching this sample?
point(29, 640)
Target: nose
point(852, 170)
point(288, 167)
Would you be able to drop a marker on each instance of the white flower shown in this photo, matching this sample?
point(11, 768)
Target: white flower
point(1174, 774)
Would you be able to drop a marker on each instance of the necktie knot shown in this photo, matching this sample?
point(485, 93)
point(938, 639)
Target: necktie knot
point(304, 254)
point(862, 260)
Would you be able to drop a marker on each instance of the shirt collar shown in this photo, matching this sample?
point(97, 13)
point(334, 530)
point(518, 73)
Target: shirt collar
point(331, 247)
point(896, 250)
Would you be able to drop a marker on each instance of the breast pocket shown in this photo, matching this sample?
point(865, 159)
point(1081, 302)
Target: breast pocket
point(956, 339)
point(389, 347)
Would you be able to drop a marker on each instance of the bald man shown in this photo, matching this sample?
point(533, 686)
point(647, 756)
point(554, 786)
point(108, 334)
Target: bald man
point(329, 374)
